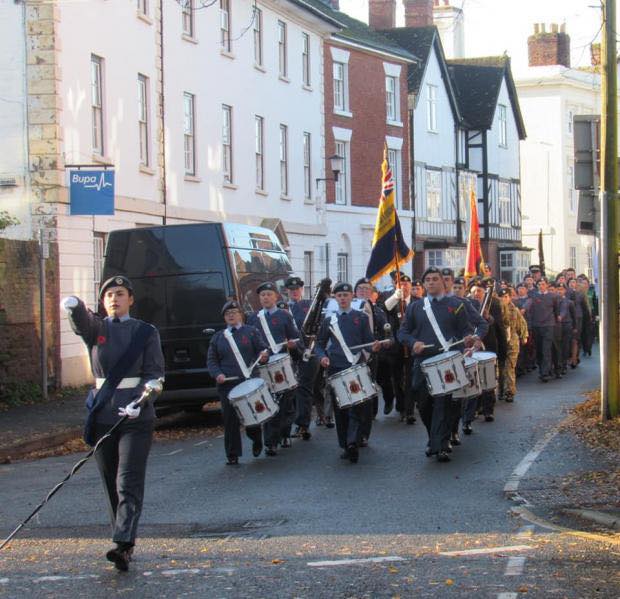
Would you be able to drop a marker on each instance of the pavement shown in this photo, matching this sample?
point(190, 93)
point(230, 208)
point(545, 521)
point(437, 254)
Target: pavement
point(307, 524)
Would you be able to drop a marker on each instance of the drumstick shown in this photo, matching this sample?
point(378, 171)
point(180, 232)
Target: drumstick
point(279, 345)
point(231, 378)
point(363, 345)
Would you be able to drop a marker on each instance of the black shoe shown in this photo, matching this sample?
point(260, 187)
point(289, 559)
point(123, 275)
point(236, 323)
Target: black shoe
point(428, 453)
point(319, 422)
point(467, 429)
point(489, 418)
point(120, 556)
point(286, 443)
point(509, 398)
point(344, 455)
point(443, 456)
point(352, 453)
point(544, 379)
point(449, 448)
point(329, 423)
point(558, 375)
point(232, 460)
point(257, 447)
point(270, 450)
point(306, 435)
point(410, 420)
point(388, 407)
point(364, 442)
point(455, 439)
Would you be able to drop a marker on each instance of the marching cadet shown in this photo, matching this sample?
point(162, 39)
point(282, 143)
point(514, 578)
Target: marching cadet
point(306, 370)
point(516, 334)
point(568, 323)
point(124, 354)
point(400, 357)
point(231, 352)
point(480, 328)
point(544, 313)
point(417, 333)
point(347, 327)
point(417, 289)
point(280, 333)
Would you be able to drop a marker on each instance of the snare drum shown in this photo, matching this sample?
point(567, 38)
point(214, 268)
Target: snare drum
point(278, 373)
point(487, 361)
point(474, 388)
point(352, 386)
point(253, 402)
point(445, 373)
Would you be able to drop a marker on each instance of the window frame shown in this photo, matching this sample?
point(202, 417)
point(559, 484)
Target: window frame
point(97, 105)
point(282, 49)
point(142, 6)
point(572, 257)
point(258, 36)
point(306, 74)
point(342, 258)
point(502, 120)
point(283, 145)
point(144, 125)
point(308, 273)
point(504, 203)
point(187, 18)
point(259, 151)
point(392, 99)
point(189, 133)
point(99, 240)
point(433, 190)
point(307, 153)
point(341, 88)
point(341, 187)
point(227, 143)
point(431, 107)
point(225, 22)
point(395, 162)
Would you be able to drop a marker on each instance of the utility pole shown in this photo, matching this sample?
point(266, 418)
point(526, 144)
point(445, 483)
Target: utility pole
point(610, 354)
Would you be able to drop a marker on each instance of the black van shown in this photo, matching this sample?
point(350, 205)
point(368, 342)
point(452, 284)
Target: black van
point(182, 275)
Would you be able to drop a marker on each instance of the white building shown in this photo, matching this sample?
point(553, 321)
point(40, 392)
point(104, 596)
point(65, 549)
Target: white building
point(550, 96)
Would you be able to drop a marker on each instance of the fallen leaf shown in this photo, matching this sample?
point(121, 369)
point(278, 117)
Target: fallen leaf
point(277, 561)
point(393, 570)
point(449, 582)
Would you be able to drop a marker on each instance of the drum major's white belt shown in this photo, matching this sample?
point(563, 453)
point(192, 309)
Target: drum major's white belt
point(126, 383)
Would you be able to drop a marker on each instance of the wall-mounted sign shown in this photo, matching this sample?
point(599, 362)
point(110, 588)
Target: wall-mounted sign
point(91, 192)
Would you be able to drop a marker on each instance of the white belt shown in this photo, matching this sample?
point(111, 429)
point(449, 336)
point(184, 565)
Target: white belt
point(128, 383)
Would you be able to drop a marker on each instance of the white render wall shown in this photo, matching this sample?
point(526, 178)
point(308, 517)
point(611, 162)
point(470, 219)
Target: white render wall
point(13, 139)
point(504, 161)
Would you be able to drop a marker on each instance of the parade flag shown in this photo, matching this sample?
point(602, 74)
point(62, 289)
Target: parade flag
point(389, 250)
point(474, 260)
point(541, 253)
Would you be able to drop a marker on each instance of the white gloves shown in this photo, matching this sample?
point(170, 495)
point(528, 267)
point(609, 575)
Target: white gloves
point(391, 301)
point(131, 411)
point(68, 303)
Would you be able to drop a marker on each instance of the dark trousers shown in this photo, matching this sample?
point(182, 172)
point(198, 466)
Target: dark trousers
point(349, 421)
point(435, 414)
point(567, 335)
point(544, 341)
point(470, 406)
point(232, 433)
point(457, 407)
point(279, 427)
point(304, 396)
point(121, 460)
point(383, 375)
point(556, 348)
point(401, 368)
point(487, 402)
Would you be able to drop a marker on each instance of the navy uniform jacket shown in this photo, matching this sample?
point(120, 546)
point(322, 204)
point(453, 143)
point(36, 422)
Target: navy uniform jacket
point(221, 360)
point(544, 310)
point(479, 324)
point(281, 325)
point(299, 310)
point(582, 310)
point(451, 317)
point(567, 312)
point(355, 329)
point(107, 341)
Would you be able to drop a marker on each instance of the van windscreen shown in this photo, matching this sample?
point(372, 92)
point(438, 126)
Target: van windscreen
point(165, 250)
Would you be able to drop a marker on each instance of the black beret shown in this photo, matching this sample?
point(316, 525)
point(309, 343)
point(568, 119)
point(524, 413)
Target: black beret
point(116, 281)
point(293, 283)
point(397, 272)
point(230, 305)
point(417, 283)
point(488, 282)
point(282, 305)
point(342, 287)
point(447, 272)
point(503, 292)
point(430, 270)
point(405, 279)
point(268, 286)
point(363, 281)
point(534, 268)
point(520, 285)
point(475, 283)
point(459, 281)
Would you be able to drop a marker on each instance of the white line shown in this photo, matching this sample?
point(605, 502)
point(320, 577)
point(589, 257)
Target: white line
point(174, 452)
point(524, 465)
point(507, 595)
point(365, 560)
point(515, 566)
point(180, 571)
point(4, 581)
point(201, 443)
point(63, 578)
point(486, 550)
point(220, 437)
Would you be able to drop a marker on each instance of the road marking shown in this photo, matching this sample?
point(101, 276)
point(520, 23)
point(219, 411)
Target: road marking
point(365, 560)
point(180, 571)
point(515, 565)
point(63, 578)
point(4, 581)
point(201, 443)
point(524, 465)
point(507, 595)
point(486, 550)
point(174, 452)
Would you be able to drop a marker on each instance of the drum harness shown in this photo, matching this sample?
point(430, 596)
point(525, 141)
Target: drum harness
point(337, 333)
point(247, 372)
point(431, 318)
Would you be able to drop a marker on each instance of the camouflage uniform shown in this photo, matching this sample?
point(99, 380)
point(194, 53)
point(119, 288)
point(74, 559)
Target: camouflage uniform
point(516, 333)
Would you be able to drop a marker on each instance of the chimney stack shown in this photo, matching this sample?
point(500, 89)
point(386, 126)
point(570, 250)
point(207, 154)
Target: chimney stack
point(549, 48)
point(418, 13)
point(381, 14)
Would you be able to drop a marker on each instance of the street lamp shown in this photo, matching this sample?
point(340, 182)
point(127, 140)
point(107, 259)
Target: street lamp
point(336, 163)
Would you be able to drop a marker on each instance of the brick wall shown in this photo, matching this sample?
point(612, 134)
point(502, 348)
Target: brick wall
point(368, 123)
point(548, 48)
point(20, 333)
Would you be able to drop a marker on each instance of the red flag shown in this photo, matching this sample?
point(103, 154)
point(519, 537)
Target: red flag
point(474, 249)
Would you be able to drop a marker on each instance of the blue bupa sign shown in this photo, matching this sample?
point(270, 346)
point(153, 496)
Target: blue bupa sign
point(91, 192)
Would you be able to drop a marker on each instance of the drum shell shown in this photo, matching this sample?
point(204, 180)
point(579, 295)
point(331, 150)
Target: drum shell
point(352, 386)
point(487, 367)
point(253, 402)
point(445, 373)
point(278, 373)
point(474, 388)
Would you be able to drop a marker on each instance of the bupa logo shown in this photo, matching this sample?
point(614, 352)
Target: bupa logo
point(91, 181)
point(92, 191)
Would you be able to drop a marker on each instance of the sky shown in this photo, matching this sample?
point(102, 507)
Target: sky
point(495, 26)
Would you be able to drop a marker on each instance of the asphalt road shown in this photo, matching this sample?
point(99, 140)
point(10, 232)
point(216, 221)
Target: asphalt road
point(308, 524)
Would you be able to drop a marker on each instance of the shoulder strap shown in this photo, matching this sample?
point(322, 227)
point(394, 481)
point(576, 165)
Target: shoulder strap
point(334, 327)
point(275, 347)
point(431, 317)
point(238, 357)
